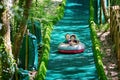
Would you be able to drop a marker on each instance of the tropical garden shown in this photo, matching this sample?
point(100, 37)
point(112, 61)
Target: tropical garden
point(26, 27)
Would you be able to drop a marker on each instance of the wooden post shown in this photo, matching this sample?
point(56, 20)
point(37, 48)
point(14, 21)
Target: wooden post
point(0, 67)
point(115, 30)
point(111, 22)
point(118, 51)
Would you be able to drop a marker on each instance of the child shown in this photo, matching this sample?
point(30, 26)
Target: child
point(73, 40)
point(67, 37)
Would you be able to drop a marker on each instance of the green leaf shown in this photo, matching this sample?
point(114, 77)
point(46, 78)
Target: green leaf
point(1, 7)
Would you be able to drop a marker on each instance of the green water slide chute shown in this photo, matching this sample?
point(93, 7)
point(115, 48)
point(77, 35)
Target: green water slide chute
point(23, 74)
point(35, 28)
point(28, 57)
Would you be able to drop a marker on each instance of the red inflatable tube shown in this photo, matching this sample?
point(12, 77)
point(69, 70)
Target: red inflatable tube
point(71, 51)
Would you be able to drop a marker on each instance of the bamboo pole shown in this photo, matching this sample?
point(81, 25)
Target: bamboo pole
point(118, 30)
point(115, 30)
point(111, 22)
point(0, 67)
point(27, 50)
point(100, 13)
point(119, 49)
point(103, 5)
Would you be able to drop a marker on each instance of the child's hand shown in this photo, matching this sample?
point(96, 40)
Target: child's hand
point(71, 43)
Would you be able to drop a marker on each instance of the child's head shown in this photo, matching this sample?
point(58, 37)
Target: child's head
point(67, 36)
point(72, 37)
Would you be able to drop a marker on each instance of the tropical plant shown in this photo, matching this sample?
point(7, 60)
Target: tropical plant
point(8, 23)
point(22, 29)
point(14, 17)
point(7, 64)
point(115, 2)
point(96, 45)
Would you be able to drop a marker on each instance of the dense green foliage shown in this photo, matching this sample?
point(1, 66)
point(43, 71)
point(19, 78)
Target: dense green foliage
point(47, 28)
point(7, 63)
point(46, 12)
point(115, 2)
point(97, 52)
point(96, 45)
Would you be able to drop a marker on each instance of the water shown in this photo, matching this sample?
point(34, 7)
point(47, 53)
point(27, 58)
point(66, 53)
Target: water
point(72, 66)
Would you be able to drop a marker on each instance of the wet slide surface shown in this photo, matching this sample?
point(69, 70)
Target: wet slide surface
point(72, 66)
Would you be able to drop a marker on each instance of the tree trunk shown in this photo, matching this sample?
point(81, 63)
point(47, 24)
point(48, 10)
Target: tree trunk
point(100, 13)
point(0, 67)
point(5, 42)
point(104, 10)
point(20, 34)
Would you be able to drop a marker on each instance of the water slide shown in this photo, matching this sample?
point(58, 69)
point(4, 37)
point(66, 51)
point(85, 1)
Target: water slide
point(79, 66)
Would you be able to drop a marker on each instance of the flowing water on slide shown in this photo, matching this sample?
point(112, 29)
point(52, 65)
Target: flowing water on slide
point(72, 66)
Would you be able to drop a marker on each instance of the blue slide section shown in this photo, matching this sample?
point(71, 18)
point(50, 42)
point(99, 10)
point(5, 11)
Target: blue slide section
point(72, 66)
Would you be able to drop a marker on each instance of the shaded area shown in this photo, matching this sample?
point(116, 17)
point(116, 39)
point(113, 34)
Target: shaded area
point(109, 58)
point(72, 66)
